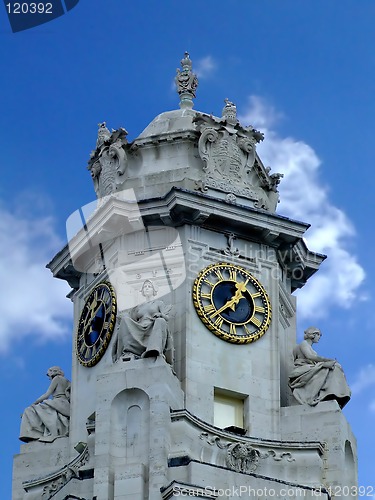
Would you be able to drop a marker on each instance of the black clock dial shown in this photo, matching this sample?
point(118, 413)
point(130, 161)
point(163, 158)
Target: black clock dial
point(232, 303)
point(243, 311)
point(96, 324)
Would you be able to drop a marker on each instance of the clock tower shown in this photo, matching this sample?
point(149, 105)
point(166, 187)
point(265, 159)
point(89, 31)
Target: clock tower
point(186, 380)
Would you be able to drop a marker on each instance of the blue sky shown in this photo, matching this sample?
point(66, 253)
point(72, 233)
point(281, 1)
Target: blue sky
point(302, 72)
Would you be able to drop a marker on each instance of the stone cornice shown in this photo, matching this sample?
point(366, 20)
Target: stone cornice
point(117, 216)
point(221, 434)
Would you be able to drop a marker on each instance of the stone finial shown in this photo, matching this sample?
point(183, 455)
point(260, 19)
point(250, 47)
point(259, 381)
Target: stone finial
point(229, 112)
point(186, 83)
point(103, 134)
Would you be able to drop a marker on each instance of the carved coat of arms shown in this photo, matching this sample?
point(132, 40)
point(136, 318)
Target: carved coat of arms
point(228, 151)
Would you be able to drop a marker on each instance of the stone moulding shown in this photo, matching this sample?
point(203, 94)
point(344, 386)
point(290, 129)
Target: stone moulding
point(243, 454)
point(52, 483)
point(176, 488)
point(166, 138)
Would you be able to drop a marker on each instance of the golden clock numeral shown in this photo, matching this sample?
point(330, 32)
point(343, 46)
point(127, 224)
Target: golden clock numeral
point(208, 282)
point(105, 325)
point(247, 330)
point(82, 347)
point(255, 295)
point(88, 353)
point(219, 322)
point(219, 275)
point(259, 309)
point(232, 329)
point(206, 296)
point(209, 309)
point(232, 275)
point(255, 321)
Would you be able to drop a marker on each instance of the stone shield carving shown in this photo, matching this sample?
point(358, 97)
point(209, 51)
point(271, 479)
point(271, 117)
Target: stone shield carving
point(228, 151)
point(242, 457)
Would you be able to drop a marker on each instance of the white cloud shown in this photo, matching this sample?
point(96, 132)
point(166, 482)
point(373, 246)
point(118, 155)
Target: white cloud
point(204, 67)
point(33, 302)
point(364, 379)
point(304, 197)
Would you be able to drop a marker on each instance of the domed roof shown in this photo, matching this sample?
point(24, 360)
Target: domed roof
point(171, 121)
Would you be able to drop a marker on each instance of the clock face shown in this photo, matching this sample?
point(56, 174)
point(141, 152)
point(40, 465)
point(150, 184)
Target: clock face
point(232, 303)
point(96, 324)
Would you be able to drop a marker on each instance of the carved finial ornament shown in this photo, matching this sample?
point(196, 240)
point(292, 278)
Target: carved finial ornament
point(229, 113)
point(186, 83)
point(103, 134)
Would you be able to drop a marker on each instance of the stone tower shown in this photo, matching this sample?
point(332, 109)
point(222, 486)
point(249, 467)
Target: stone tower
point(184, 353)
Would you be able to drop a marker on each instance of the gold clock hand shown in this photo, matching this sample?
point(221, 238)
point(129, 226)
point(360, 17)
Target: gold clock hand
point(241, 287)
point(231, 302)
point(228, 304)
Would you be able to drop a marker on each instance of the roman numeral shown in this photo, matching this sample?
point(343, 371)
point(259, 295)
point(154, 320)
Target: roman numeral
point(232, 329)
point(259, 309)
point(208, 282)
point(247, 330)
point(232, 275)
point(255, 321)
point(209, 309)
point(206, 296)
point(219, 275)
point(255, 295)
point(219, 322)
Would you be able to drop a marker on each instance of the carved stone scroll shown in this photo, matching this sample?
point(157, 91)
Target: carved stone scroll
point(108, 162)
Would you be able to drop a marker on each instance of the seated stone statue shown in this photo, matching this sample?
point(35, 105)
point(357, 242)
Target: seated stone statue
point(47, 419)
point(314, 378)
point(143, 331)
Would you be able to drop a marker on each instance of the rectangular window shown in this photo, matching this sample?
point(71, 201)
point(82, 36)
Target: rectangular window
point(228, 409)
